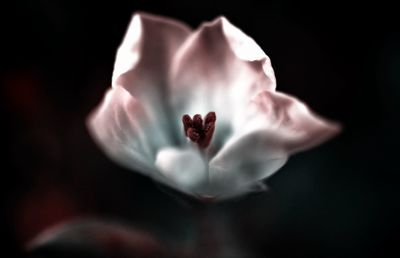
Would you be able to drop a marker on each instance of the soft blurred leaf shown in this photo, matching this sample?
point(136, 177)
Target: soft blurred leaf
point(96, 238)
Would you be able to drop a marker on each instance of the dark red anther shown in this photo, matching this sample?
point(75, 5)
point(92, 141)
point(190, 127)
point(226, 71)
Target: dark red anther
point(210, 117)
point(208, 133)
point(197, 131)
point(193, 135)
point(187, 123)
point(197, 122)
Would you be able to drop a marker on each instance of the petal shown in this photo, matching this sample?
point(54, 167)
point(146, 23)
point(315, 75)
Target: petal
point(145, 55)
point(243, 161)
point(218, 68)
point(289, 121)
point(228, 192)
point(125, 131)
point(185, 168)
point(276, 126)
point(144, 59)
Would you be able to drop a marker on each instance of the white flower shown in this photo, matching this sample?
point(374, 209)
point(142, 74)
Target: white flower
point(163, 71)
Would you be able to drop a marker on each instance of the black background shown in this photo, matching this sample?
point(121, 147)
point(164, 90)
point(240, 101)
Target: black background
point(342, 59)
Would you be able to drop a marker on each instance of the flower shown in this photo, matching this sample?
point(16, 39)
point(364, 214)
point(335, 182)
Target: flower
point(167, 76)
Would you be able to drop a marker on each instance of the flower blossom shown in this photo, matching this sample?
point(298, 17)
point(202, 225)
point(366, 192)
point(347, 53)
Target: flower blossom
point(197, 109)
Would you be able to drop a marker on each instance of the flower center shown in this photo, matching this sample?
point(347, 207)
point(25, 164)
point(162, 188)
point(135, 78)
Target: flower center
point(199, 131)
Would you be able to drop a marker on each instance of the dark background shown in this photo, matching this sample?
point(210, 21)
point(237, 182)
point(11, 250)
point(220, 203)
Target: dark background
point(338, 200)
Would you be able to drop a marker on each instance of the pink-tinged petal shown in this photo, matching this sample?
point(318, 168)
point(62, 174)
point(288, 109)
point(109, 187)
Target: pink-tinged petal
point(290, 121)
point(218, 68)
point(145, 55)
point(276, 126)
point(144, 59)
point(126, 132)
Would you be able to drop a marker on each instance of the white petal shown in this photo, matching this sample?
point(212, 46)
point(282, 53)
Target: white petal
point(125, 131)
point(185, 168)
point(243, 161)
point(229, 192)
point(218, 68)
point(277, 125)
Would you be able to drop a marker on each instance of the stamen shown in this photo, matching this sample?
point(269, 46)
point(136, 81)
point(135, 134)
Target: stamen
point(193, 135)
point(187, 123)
point(210, 117)
point(208, 133)
point(197, 122)
point(197, 131)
